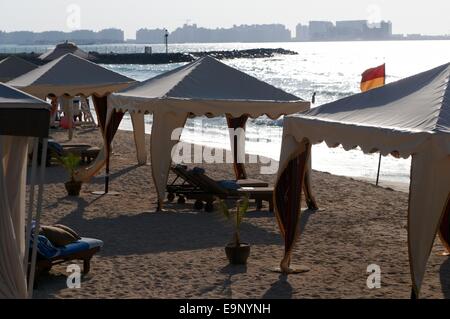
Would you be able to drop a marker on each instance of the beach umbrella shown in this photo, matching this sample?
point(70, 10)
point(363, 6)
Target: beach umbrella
point(203, 87)
point(21, 116)
point(13, 66)
point(65, 48)
point(407, 118)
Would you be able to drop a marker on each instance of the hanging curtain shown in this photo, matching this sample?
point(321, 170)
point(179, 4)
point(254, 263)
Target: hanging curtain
point(13, 159)
point(238, 146)
point(287, 195)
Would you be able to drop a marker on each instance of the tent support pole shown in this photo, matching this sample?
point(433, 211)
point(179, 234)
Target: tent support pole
point(107, 178)
point(158, 206)
point(413, 294)
point(31, 203)
point(38, 217)
point(379, 160)
point(108, 153)
point(378, 172)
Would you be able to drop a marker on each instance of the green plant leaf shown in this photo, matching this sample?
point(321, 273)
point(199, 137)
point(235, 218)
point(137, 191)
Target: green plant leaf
point(70, 162)
point(242, 209)
point(223, 208)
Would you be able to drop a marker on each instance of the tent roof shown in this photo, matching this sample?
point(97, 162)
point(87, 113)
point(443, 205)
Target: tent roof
point(394, 118)
point(408, 117)
point(418, 103)
point(63, 49)
point(208, 86)
point(13, 66)
point(22, 114)
point(71, 75)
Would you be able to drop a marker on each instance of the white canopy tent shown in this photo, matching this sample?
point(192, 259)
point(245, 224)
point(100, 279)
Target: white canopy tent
point(13, 66)
point(71, 76)
point(410, 117)
point(203, 87)
point(21, 117)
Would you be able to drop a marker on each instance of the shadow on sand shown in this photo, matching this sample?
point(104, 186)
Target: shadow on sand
point(154, 232)
point(444, 273)
point(170, 231)
point(304, 218)
point(57, 174)
point(281, 289)
point(225, 288)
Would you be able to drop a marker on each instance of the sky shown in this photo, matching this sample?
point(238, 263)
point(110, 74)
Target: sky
point(408, 16)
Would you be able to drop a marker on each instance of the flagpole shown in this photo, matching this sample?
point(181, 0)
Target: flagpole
point(379, 160)
point(378, 173)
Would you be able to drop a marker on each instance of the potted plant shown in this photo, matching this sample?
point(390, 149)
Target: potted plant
point(236, 251)
point(71, 162)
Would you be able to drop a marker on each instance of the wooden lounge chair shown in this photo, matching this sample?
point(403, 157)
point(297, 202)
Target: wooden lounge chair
point(83, 249)
point(198, 186)
point(87, 152)
point(182, 181)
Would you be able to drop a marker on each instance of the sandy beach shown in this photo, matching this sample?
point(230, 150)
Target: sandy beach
point(179, 253)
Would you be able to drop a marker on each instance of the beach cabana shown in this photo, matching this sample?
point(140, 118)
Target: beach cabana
point(410, 117)
point(13, 66)
point(71, 76)
point(21, 116)
point(203, 87)
point(65, 48)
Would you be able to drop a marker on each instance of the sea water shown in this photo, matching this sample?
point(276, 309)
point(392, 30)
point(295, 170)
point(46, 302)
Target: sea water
point(331, 69)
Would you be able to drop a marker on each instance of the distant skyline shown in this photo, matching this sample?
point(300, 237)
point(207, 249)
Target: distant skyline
point(408, 17)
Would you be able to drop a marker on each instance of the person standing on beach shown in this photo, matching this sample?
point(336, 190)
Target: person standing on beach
point(53, 110)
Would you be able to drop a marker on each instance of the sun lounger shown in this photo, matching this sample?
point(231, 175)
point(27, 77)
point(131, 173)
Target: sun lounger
point(69, 145)
point(198, 186)
point(182, 180)
point(87, 152)
point(49, 256)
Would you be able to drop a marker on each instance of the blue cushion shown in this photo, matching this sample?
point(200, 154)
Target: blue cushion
point(231, 185)
point(80, 245)
point(198, 170)
point(75, 247)
point(45, 248)
point(55, 147)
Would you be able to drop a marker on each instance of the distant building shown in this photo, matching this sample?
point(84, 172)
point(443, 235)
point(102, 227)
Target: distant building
point(353, 30)
point(17, 37)
point(150, 36)
point(320, 30)
point(302, 32)
point(242, 33)
point(82, 36)
point(381, 30)
point(110, 36)
point(54, 37)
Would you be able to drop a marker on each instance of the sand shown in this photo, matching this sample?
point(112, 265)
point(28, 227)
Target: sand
point(179, 253)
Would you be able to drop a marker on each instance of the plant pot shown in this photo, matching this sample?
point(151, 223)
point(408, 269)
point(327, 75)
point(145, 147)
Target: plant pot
point(237, 255)
point(73, 188)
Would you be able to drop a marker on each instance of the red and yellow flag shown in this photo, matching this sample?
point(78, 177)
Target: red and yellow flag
point(373, 78)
